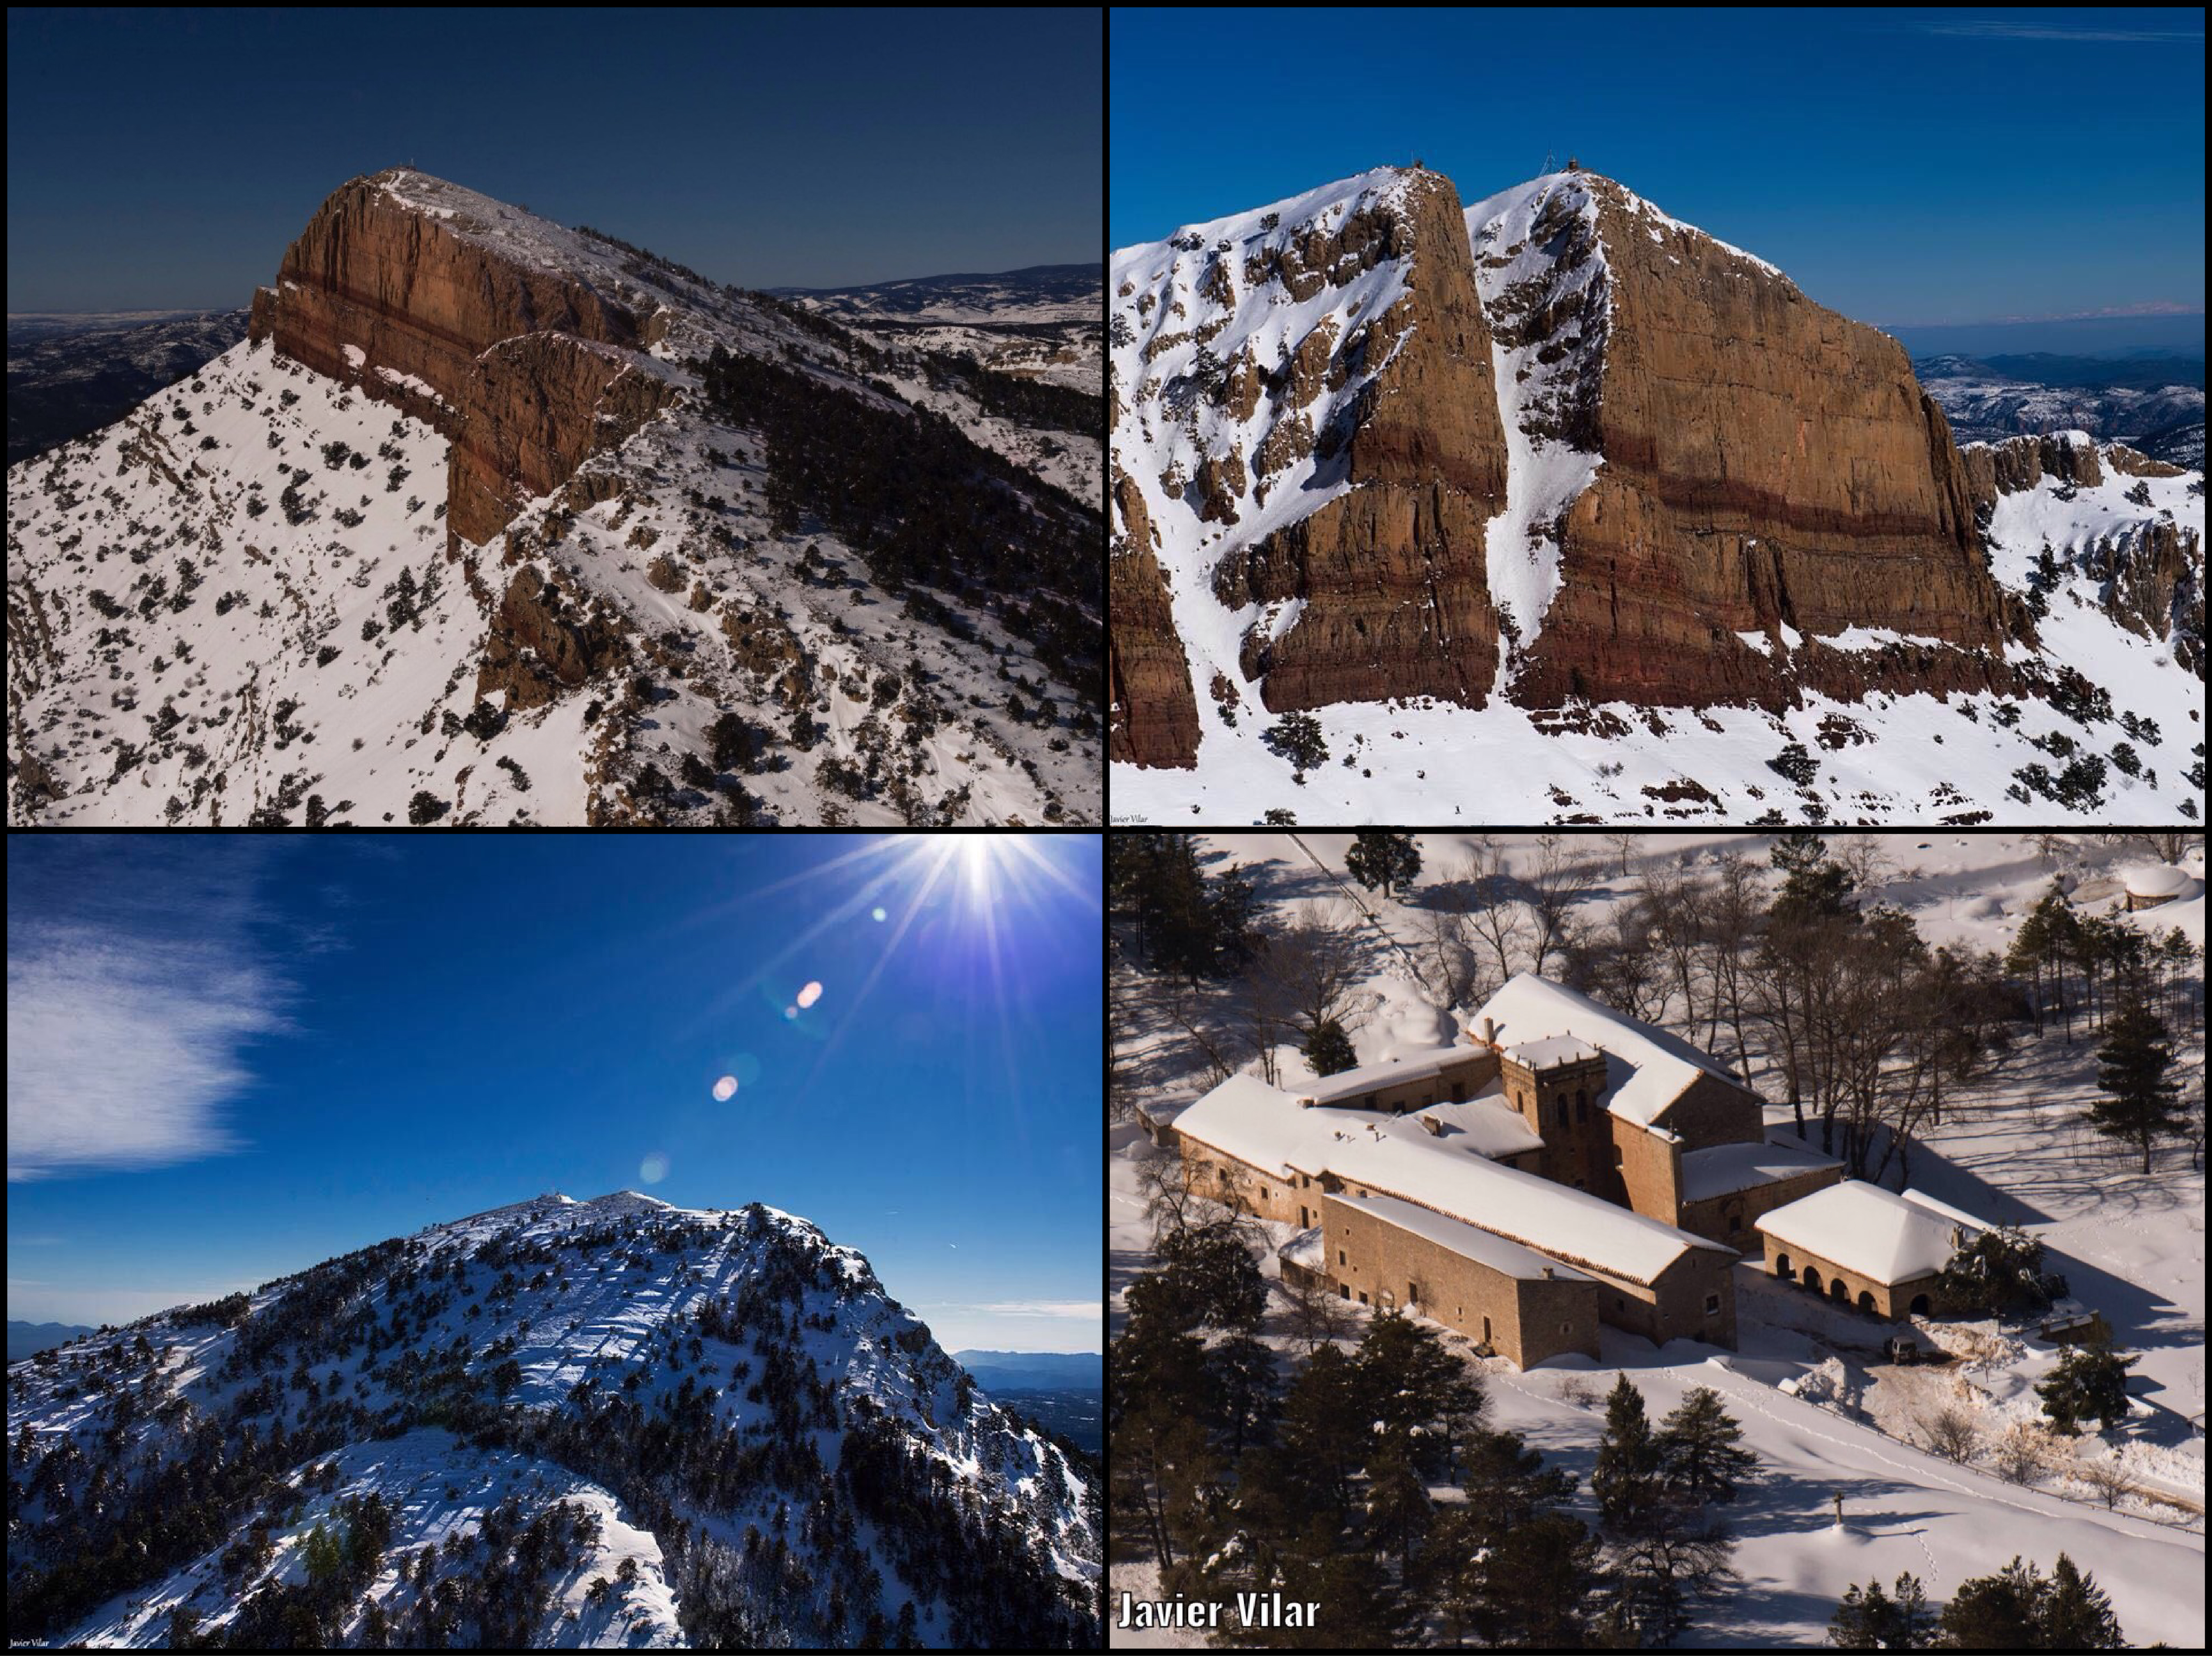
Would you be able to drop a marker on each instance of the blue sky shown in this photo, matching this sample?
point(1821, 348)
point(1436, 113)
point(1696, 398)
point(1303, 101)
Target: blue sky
point(231, 1057)
point(1903, 167)
point(164, 159)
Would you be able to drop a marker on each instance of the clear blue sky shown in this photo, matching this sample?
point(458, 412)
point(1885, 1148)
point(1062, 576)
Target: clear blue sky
point(231, 1057)
point(1903, 167)
point(164, 159)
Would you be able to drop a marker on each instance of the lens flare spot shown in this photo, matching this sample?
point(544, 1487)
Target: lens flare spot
point(790, 1012)
point(726, 1088)
point(808, 995)
point(880, 916)
point(653, 1169)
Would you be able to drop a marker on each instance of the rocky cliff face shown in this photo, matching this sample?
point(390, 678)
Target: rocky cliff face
point(1766, 464)
point(398, 298)
point(1559, 448)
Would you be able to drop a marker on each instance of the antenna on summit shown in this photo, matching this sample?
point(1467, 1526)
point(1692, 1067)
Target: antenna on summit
point(1548, 164)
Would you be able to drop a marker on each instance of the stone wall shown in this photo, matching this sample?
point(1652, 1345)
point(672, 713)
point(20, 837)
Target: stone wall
point(1650, 1171)
point(1526, 1320)
point(1710, 1217)
point(1712, 1111)
point(1467, 1071)
point(1892, 1300)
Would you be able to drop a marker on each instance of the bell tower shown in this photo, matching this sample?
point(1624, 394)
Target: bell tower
point(1557, 1085)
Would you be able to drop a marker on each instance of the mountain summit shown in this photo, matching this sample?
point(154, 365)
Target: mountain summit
point(490, 521)
point(556, 1422)
point(1559, 458)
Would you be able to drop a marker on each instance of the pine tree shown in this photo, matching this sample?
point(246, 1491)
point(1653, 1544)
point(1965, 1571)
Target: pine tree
point(1297, 737)
point(2074, 1613)
point(1793, 853)
point(1874, 1620)
point(1387, 860)
point(1328, 1049)
point(2141, 1102)
point(1994, 1613)
point(1411, 1382)
point(1698, 1450)
point(2089, 1383)
point(1530, 1587)
point(1627, 1479)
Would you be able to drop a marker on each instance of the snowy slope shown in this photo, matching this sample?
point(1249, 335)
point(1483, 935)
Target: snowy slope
point(556, 1332)
point(867, 705)
point(2011, 1148)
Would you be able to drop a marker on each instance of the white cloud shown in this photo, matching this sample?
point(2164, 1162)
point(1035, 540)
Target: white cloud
point(122, 1051)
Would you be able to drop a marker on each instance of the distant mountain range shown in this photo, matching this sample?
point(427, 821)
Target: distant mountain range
point(24, 1339)
point(2152, 400)
point(1044, 1369)
point(70, 374)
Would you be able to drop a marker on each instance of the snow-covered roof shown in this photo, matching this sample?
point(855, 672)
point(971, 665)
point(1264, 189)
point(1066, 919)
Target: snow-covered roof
point(1646, 1068)
point(1246, 1118)
point(1552, 1049)
point(1391, 1072)
point(1468, 1241)
point(1554, 1219)
point(1726, 1167)
point(2157, 879)
point(1306, 1248)
point(1266, 1126)
point(1886, 1237)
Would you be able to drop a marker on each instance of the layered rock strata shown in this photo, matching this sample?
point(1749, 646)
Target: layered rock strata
point(1390, 574)
point(1767, 465)
point(525, 372)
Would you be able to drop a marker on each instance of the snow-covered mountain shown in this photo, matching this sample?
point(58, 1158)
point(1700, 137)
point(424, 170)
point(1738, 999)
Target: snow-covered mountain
point(1039, 323)
point(1555, 507)
point(557, 1422)
point(1986, 403)
point(561, 534)
point(69, 375)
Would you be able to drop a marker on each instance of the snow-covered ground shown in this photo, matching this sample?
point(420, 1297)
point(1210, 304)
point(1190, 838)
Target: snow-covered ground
point(2011, 1150)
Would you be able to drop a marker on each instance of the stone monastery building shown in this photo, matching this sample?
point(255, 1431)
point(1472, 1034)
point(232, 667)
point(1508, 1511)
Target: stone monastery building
point(1564, 1165)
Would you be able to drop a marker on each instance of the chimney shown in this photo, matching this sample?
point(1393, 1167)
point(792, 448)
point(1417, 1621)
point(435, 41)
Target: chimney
point(1548, 1273)
point(1434, 1127)
point(1305, 1103)
point(1489, 1033)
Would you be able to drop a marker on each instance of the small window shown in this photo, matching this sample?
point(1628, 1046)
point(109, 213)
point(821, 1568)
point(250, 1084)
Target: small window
point(1566, 1328)
point(1581, 1104)
point(1340, 1256)
point(1224, 1176)
point(1342, 1292)
point(1616, 1158)
point(1363, 1298)
point(1263, 1192)
point(1302, 1220)
point(1712, 1305)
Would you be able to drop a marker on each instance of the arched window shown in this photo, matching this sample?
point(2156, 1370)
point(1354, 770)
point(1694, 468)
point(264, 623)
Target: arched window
point(1812, 1279)
point(1920, 1305)
point(1866, 1300)
point(1837, 1290)
point(1782, 1264)
point(1581, 1104)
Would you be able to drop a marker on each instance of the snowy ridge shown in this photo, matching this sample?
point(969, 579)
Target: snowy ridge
point(1537, 253)
point(550, 1334)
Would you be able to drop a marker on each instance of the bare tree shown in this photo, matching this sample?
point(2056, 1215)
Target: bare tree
point(1309, 971)
point(2015, 1458)
point(1550, 890)
point(1170, 1184)
point(1618, 962)
point(2106, 1481)
point(1317, 1314)
point(1864, 857)
point(2047, 846)
point(1624, 847)
point(1494, 916)
point(2168, 846)
point(1185, 1007)
point(1451, 965)
point(1675, 901)
point(1733, 913)
point(1952, 1434)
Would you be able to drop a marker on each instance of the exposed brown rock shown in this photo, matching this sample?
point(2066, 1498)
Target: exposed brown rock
point(2153, 586)
point(1766, 460)
point(1398, 599)
point(524, 361)
point(539, 644)
point(1153, 716)
point(2135, 464)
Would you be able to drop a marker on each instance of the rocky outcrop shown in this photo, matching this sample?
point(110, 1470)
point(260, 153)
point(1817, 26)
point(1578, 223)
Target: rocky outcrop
point(528, 370)
point(1766, 462)
point(1152, 718)
point(2133, 463)
point(2021, 463)
point(2154, 585)
point(540, 643)
point(1397, 599)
